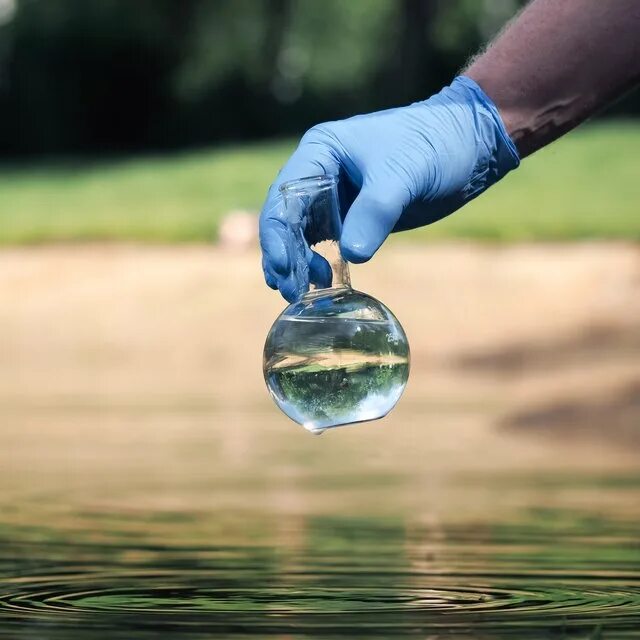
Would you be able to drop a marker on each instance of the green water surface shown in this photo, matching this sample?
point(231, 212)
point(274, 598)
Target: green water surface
point(204, 525)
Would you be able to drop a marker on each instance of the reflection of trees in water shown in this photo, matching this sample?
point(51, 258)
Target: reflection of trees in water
point(331, 392)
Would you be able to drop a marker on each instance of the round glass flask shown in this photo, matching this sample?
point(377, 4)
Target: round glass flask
point(335, 356)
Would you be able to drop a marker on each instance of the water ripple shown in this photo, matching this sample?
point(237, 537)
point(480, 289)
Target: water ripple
point(545, 572)
point(478, 603)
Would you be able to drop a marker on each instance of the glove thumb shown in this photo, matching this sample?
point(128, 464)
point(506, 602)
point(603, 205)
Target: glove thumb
point(369, 221)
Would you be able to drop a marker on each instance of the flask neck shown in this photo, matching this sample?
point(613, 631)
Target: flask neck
point(313, 213)
point(340, 277)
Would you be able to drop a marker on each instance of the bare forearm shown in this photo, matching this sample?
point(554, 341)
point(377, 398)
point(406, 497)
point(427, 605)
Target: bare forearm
point(559, 62)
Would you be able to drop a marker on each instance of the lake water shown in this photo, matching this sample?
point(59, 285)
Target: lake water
point(130, 522)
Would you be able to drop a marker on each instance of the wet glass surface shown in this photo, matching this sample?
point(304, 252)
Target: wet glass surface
point(200, 524)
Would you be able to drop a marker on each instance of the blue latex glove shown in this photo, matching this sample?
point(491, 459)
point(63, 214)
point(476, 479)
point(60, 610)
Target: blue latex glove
point(398, 169)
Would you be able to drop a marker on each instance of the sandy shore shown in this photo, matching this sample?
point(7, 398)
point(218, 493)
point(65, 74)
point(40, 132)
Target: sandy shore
point(542, 336)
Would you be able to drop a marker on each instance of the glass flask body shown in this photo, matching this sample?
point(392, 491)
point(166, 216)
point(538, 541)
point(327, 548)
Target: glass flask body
point(336, 356)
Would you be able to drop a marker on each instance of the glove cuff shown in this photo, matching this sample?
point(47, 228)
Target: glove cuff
point(499, 154)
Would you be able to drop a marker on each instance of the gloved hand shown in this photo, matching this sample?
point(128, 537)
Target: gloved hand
point(399, 169)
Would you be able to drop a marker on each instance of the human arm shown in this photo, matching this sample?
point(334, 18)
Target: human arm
point(552, 67)
point(557, 64)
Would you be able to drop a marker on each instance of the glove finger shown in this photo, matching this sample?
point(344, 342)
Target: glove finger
point(292, 287)
point(273, 242)
point(278, 245)
point(320, 272)
point(370, 220)
point(269, 276)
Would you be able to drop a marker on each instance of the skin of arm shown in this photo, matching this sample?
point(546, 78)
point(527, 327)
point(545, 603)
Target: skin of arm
point(557, 63)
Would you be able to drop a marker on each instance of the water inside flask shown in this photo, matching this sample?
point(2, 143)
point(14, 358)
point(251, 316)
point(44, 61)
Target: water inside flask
point(335, 356)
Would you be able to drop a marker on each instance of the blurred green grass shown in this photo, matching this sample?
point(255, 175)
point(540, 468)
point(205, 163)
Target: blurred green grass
point(584, 186)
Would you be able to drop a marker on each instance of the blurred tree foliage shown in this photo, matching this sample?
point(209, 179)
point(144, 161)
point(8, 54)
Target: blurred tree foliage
point(115, 75)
